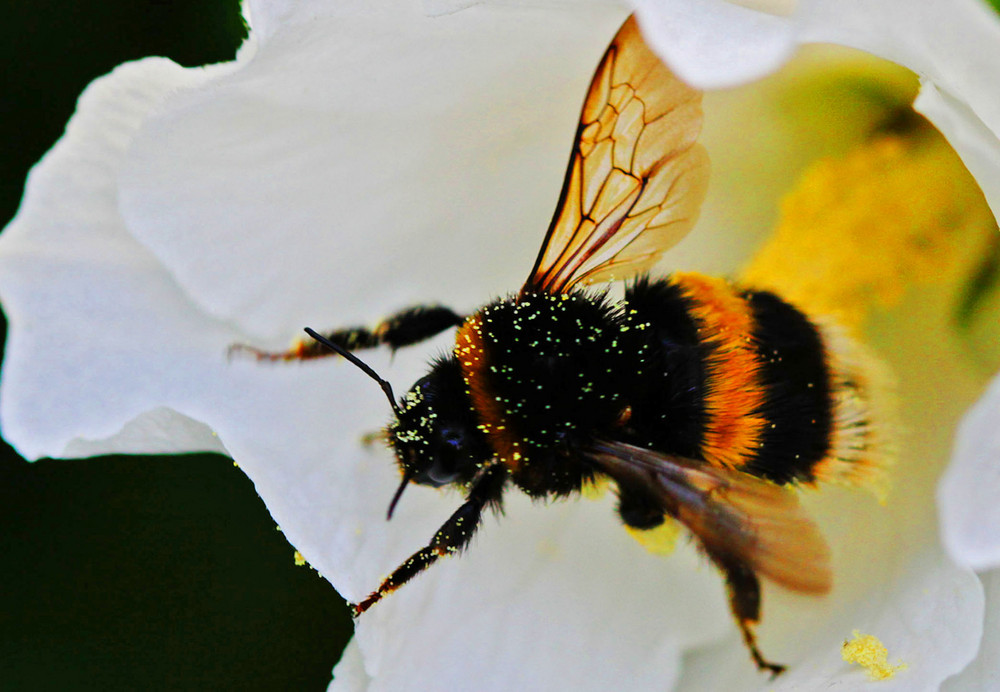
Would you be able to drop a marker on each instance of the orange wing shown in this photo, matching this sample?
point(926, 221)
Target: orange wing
point(738, 518)
point(636, 178)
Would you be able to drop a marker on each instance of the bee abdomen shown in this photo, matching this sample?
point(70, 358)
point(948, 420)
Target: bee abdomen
point(751, 382)
point(795, 380)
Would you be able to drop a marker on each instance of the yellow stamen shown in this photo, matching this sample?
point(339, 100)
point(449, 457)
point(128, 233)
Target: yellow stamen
point(300, 560)
point(868, 652)
point(858, 230)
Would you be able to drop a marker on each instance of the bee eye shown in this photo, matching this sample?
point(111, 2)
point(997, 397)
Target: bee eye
point(441, 476)
point(453, 438)
point(447, 457)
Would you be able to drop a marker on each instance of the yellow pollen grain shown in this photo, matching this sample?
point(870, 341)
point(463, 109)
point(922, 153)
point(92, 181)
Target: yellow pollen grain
point(857, 230)
point(659, 541)
point(595, 489)
point(300, 560)
point(868, 652)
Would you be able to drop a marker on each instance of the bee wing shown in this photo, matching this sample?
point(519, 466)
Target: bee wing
point(736, 516)
point(636, 177)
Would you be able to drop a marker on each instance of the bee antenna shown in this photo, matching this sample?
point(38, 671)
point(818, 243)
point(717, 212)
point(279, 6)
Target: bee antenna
point(407, 476)
point(386, 387)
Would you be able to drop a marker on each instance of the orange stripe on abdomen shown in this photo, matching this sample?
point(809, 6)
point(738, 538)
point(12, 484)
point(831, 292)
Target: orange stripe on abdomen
point(734, 392)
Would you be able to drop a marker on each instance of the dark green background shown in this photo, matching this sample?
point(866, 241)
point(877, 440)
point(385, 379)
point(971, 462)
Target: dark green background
point(138, 572)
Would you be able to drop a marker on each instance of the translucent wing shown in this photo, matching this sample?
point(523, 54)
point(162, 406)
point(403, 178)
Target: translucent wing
point(636, 178)
point(739, 519)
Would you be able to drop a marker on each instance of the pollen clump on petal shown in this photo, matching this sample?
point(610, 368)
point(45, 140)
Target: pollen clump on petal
point(300, 560)
point(857, 230)
point(870, 653)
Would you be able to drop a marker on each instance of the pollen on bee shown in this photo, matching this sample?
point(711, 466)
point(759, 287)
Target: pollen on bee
point(661, 540)
point(870, 653)
point(595, 488)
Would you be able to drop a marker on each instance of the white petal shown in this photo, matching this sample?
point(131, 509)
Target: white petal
point(160, 430)
point(437, 7)
point(107, 354)
point(984, 672)
point(967, 497)
point(350, 675)
point(63, 259)
point(975, 142)
point(619, 622)
point(715, 44)
point(929, 616)
point(335, 135)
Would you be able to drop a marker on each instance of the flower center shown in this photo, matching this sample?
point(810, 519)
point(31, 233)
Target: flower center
point(857, 230)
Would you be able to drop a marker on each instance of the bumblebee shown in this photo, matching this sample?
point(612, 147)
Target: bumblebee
point(701, 401)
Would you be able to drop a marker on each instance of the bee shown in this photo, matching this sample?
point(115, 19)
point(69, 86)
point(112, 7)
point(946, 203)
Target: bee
point(702, 402)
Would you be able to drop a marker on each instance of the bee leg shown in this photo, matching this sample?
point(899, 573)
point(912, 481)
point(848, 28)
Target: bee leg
point(744, 601)
point(404, 328)
point(638, 509)
point(451, 538)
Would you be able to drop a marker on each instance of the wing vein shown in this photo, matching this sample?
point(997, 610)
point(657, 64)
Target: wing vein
point(620, 158)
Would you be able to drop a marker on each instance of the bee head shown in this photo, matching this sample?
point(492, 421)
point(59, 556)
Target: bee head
point(435, 434)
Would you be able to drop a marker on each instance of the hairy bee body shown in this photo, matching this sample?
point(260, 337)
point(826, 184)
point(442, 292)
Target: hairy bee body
point(686, 365)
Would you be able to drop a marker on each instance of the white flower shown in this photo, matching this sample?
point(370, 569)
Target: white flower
point(357, 158)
